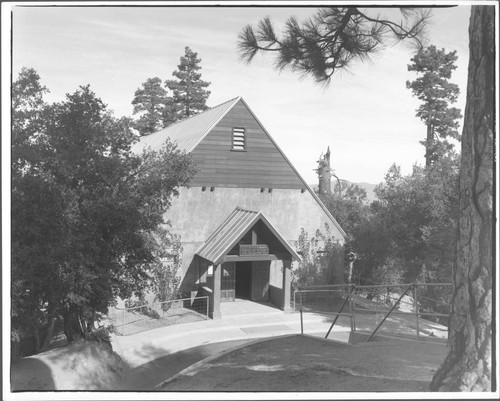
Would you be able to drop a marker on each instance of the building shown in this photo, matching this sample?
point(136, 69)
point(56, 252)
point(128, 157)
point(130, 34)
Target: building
point(244, 210)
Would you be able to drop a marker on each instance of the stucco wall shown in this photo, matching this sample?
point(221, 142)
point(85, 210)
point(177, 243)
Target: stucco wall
point(196, 214)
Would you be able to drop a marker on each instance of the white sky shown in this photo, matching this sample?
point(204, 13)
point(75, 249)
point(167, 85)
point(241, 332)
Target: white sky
point(366, 115)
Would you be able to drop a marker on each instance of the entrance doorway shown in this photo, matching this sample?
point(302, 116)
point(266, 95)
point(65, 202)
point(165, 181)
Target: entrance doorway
point(243, 282)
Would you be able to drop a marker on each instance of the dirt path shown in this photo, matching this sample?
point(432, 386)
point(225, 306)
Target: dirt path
point(302, 363)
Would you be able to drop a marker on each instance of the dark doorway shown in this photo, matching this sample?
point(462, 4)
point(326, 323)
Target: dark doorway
point(243, 280)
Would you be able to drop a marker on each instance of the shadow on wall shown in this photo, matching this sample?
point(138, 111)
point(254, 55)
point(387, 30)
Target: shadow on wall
point(191, 277)
point(276, 296)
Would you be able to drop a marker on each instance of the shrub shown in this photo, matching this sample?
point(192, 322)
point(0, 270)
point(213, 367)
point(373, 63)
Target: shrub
point(322, 259)
point(101, 335)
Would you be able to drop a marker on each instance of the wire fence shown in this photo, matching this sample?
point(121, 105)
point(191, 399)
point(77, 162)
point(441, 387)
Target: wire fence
point(128, 321)
point(405, 309)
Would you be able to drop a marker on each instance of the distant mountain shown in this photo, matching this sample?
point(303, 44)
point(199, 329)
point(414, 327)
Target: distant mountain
point(369, 188)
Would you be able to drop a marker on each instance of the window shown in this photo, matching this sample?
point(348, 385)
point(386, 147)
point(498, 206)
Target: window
point(238, 139)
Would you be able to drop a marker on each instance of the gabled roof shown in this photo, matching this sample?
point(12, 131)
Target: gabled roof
point(232, 230)
point(186, 133)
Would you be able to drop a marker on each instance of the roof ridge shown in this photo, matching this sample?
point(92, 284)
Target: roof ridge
point(244, 210)
point(194, 115)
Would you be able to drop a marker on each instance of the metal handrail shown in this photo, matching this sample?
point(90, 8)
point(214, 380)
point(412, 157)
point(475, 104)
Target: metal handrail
point(352, 293)
point(159, 303)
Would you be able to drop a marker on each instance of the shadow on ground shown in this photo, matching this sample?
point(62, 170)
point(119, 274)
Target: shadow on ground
point(148, 375)
point(303, 363)
point(30, 374)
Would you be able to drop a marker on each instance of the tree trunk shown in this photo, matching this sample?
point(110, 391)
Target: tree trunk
point(429, 143)
point(467, 366)
point(36, 339)
point(49, 333)
point(72, 326)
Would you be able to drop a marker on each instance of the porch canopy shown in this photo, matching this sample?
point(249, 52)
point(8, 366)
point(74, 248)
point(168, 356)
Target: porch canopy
point(246, 235)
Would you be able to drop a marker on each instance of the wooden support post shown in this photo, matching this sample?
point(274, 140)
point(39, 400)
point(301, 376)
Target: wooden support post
point(217, 290)
point(287, 275)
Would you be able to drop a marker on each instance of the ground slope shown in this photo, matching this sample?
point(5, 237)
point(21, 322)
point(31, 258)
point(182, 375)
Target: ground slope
point(77, 366)
point(303, 363)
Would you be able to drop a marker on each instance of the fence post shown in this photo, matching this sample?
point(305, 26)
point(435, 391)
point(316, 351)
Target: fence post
point(301, 323)
point(415, 307)
point(353, 309)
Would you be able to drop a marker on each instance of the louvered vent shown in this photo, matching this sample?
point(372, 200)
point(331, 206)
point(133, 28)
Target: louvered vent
point(238, 139)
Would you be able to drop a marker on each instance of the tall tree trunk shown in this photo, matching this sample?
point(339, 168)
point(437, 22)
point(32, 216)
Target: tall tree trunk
point(429, 143)
point(72, 326)
point(468, 364)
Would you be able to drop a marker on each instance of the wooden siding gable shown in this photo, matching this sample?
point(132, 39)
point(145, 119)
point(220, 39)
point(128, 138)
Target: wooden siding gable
point(260, 165)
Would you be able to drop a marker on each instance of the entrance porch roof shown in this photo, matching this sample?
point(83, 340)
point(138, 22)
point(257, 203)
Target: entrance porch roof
point(232, 230)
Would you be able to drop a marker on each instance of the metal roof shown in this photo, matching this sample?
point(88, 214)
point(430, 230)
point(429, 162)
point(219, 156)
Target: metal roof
point(186, 133)
point(232, 230)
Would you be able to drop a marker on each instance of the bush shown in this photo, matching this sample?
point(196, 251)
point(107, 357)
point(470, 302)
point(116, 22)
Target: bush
point(101, 335)
point(322, 260)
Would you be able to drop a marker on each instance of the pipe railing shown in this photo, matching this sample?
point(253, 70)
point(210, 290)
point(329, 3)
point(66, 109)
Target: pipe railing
point(351, 290)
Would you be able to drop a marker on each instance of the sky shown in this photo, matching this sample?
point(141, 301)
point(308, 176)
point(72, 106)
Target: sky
point(366, 115)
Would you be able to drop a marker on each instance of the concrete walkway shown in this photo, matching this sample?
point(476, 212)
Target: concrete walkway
point(146, 346)
point(155, 355)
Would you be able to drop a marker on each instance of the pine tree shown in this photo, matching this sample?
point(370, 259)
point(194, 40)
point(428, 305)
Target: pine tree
point(189, 96)
point(331, 39)
point(468, 365)
point(436, 93)
point(150, 100)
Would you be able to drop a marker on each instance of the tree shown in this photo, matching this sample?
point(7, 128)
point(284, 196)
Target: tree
point(87, 215)
point(189, 96)
point(28, 150)
point(467, 366)
point(417, 216)
point(28, 108)
point(150, 100)
point(348, 204)
point(331, 40)
point(436, 93)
